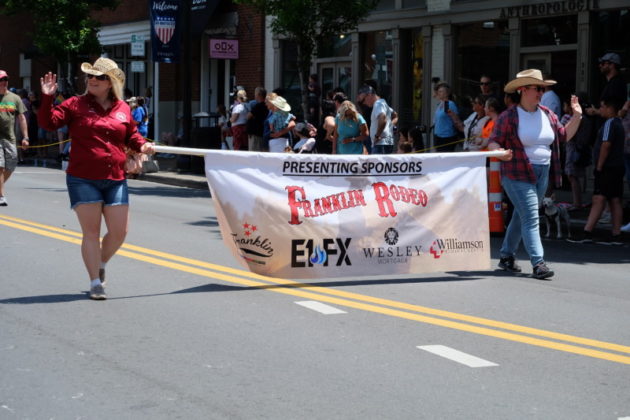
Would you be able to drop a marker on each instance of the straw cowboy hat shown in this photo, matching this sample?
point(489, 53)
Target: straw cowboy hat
point(104, 66)
point(526, 78)
point(281, 103)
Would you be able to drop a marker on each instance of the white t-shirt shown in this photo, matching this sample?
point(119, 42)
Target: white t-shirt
point(242, 114)
point(387, 136)
point(473, 125)
point(536, 134)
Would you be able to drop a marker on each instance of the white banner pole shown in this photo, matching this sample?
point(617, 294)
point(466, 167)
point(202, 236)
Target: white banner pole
point(180, 150)
point(202, 152)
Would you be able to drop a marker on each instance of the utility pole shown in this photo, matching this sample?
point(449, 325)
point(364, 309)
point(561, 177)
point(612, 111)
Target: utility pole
point(187, 73)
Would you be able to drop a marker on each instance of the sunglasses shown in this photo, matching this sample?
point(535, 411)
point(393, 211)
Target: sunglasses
point(603, 63)
point(537, 88)
point(484, 83)
point(4, 79)
point(101, 77)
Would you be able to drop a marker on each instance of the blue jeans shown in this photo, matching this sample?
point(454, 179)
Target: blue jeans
point(524, 225)
point(382, 149)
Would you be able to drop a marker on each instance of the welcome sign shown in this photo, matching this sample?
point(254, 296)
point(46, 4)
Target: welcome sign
point(311, 216)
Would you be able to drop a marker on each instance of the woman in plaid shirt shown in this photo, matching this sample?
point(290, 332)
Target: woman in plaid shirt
point(531, 134)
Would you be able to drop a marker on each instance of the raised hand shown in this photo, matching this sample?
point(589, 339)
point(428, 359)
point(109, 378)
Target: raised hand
point(575, 105)
point(48, 83)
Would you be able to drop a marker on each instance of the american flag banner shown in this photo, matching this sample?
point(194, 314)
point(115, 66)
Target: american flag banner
point(165, 30)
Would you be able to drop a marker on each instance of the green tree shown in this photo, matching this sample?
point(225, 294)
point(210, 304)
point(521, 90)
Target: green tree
point(63, 29)
point(309, 23)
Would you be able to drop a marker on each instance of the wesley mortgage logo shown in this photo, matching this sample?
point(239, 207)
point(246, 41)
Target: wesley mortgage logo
point(453, 245)
point(253, 247)
point(393, 253)
point(309, 252)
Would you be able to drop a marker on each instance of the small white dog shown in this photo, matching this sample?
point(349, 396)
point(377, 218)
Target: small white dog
point(557, 214)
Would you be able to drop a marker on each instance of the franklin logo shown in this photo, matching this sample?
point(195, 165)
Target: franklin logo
point(252, 246)
point(391, 236)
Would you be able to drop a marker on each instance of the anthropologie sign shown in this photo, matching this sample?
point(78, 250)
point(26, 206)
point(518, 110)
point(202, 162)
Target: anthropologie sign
point(549, 8)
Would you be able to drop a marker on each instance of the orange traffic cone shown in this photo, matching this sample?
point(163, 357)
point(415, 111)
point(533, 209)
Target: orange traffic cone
point(495, 197)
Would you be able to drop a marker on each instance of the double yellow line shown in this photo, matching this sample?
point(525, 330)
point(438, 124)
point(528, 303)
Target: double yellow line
point(497, 329)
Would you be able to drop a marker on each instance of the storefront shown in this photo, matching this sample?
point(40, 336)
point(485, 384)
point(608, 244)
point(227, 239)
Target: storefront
point(405, 44)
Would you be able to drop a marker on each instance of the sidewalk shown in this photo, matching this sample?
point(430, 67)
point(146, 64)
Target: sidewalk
point(169, 175)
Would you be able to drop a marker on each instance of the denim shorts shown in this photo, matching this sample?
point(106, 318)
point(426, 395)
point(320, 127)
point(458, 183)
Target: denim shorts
point(106, 191)
point(8, 155)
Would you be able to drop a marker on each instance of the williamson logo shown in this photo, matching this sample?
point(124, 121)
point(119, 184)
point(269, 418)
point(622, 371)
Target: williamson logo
point(437, 248)
point(454, 245)
point(253, 247)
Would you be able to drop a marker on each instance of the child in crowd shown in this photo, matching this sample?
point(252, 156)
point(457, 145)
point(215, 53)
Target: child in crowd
point(304, 132)
point(608, 172)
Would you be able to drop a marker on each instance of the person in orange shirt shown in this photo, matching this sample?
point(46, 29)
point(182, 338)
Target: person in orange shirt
point(492, 108)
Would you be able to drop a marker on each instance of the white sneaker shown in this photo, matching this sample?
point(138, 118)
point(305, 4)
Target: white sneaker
point(626, 228)
point(3, 201)
point(606, 218)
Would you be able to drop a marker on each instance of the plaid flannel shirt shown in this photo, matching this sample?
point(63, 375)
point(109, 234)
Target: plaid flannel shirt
point(505, 133)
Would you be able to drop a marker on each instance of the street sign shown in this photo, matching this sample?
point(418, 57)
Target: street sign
point(137, 45)
point(137, 66)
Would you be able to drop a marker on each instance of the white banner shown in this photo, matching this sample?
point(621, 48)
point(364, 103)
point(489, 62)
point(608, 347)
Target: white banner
point(312, 216)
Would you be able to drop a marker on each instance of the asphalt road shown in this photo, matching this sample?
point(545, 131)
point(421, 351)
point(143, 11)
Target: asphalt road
point(186, 333)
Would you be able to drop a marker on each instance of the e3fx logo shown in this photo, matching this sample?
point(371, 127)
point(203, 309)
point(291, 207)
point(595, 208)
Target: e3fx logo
point(304, 252)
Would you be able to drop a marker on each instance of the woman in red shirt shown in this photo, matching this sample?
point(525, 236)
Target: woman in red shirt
point(101, 129)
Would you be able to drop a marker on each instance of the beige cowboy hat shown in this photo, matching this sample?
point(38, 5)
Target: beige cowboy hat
point(281, 103)
point(104, 66)
point(526, 78)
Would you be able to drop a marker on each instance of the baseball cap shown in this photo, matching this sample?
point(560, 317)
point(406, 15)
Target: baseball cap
point(3, 74)
point(612, 57)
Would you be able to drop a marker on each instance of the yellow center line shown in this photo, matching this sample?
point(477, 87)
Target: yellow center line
point(338, 297)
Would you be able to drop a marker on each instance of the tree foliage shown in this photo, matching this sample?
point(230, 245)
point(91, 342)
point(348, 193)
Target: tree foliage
point(309, 23)
point(62, 29)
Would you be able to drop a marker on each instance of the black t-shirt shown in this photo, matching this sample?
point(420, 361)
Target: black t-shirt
point(612, 131)
point(255, 124)
point(616, 88)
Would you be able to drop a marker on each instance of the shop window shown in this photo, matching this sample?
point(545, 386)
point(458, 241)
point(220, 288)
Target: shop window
point(417, 71)
point(481, 48)
point(136, 79)
point(610, 33)
point(549, 31)
point(291, 78)
point(336, 46)
point(377, 61)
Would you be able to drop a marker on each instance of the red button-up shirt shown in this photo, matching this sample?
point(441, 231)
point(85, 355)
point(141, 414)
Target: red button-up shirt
point(99, 137)
point(505, 133)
